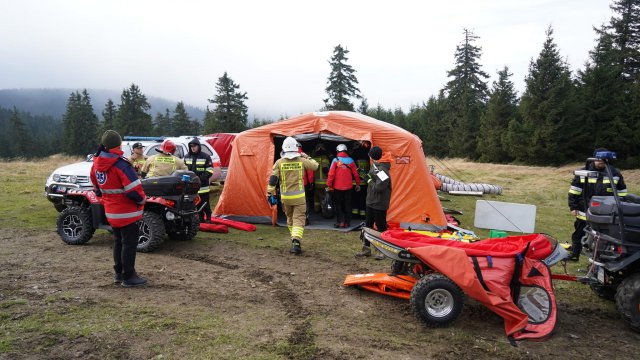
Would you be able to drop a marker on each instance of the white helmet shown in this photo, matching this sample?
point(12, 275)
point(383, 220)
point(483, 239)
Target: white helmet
point(289, 148)
point(341, 147)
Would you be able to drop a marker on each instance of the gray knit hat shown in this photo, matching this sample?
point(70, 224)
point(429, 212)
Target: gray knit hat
point(111, 139)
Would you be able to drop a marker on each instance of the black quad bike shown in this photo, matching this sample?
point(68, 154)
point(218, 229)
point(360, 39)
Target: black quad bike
point(612, 243)
point(170, 208)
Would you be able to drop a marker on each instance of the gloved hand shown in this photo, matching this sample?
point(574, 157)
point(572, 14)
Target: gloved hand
point(272, 200)
point(357, 188)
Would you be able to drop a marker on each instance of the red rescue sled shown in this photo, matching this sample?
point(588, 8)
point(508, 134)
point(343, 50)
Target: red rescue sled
point(510, 276)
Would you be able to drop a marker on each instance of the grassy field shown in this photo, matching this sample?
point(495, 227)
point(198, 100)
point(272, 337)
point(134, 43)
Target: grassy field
point(193, 325)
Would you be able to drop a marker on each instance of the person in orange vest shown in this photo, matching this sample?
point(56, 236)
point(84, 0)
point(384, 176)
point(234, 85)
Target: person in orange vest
point(117, 183)
point(321, 156)
point(289, 172)
point(342, 173)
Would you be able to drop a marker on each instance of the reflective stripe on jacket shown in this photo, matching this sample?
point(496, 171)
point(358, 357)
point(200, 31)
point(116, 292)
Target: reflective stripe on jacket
point(290, 173)
point(116, 181)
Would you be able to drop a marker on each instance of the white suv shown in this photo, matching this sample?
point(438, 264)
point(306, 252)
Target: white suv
point(76, 176)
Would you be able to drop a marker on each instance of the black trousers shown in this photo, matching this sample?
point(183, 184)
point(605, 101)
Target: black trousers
point(124, 249)
point(576, 237)
point(342, 202)
point(379, 217)
point(206, 210)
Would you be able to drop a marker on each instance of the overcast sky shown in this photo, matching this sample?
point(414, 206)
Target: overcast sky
point(278, 51)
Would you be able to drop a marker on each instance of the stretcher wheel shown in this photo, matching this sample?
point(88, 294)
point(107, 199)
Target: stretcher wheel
point(436, 300)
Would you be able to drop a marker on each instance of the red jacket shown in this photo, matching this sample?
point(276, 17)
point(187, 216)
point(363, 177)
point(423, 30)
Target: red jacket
point(116, 181)
point(341, 171)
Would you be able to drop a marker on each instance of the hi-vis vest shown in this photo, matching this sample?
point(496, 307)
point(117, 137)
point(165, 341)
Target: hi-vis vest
point(163, 165)
point(199, 168)
point(323, 169)
point(290, 173)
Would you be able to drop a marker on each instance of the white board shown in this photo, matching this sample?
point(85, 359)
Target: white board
point(505, 216)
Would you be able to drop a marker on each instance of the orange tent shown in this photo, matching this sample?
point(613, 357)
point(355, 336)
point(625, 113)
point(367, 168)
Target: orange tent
point(414, 201)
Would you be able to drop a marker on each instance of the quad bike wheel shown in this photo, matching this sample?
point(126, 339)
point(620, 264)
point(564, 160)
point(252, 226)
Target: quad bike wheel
point(606, 292)
point(75, 226)
point(436, 300)
point(151, 231)
point(189, 231)
point(628, 301)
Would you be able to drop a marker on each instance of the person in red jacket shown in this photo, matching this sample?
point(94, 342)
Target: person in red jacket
point(342, 173)
point(116, 182)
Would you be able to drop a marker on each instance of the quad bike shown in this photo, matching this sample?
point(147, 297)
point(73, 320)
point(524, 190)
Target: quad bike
point(170, 208)
point(612, 243)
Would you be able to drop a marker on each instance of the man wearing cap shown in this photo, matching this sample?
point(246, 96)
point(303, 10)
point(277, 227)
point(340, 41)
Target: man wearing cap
point(378, 196)
point(123, 198)
point(580, 193)
point(289, 171)
point(137, 158)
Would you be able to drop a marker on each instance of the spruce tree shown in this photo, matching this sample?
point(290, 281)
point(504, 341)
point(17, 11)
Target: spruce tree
point(182, 124)
point(601, 92)
point(163, 124)
point(230, 112)
point(132, 117)
point(20, 137)
point(80, 125)
point(109, 116)
point(549, 108)
point(502, 107)
point(364, 106)
point(342, 82)
point(434, 130)
point(466, 97)
point(625, 29)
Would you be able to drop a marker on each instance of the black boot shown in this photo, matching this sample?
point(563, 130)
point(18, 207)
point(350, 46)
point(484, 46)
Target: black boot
point(134, 280)
point(295, 247)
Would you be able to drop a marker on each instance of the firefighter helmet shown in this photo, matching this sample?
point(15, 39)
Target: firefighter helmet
point(168, 147)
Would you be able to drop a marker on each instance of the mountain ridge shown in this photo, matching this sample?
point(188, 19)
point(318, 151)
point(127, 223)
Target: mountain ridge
point(53, 101)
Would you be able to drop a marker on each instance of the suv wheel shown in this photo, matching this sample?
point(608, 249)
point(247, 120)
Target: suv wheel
point(151, 231)
point(75, 225)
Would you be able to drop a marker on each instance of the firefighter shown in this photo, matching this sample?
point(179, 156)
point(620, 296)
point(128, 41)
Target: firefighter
point(289, 171)
point(137, 158)
point(116, 182)
point(320, 156)
point(580, 193)
point(200, 163)
point(343, 173)
point(164, 163)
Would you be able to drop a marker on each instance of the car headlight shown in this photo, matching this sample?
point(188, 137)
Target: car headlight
point(56, 177)
point(73, 179)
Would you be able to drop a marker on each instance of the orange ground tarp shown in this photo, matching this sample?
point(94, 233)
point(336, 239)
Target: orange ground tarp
point(414, 200)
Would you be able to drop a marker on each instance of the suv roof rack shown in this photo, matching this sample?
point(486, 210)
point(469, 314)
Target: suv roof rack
point(144, 138)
